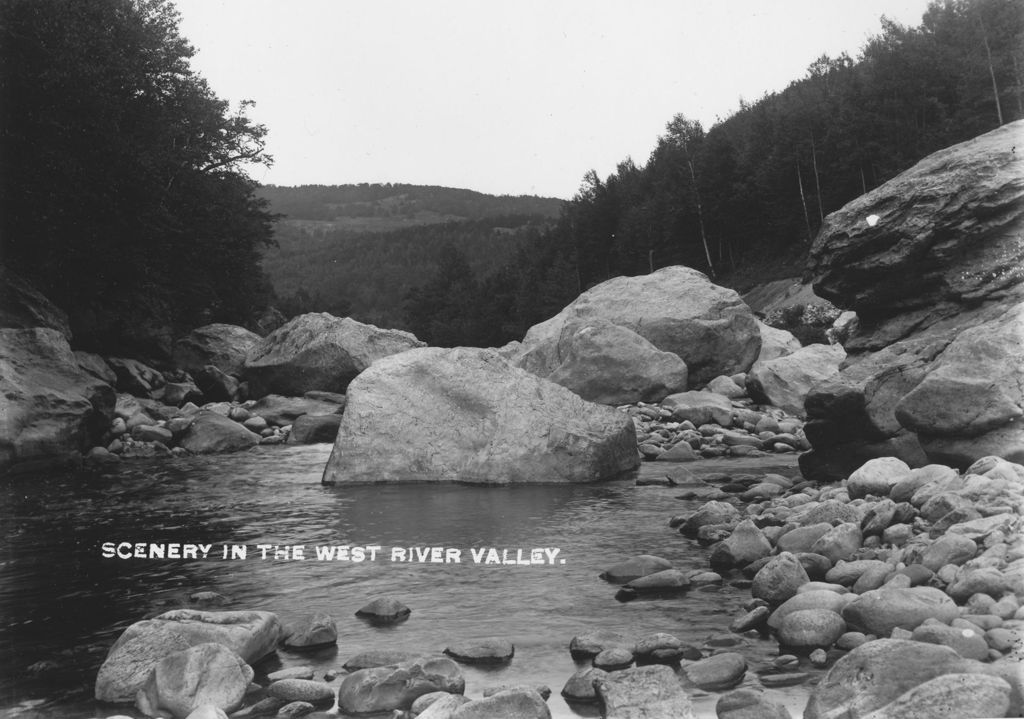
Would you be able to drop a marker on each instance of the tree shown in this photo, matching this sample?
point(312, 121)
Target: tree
point(123, 191)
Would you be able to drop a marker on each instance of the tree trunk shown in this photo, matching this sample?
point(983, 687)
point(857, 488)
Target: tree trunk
point(817, 182)
point(803, 201)
point(991, 70)
point(700, 219)
point(1019, 82)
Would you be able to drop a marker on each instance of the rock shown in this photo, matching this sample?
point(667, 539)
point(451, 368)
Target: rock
point(589, 644)
point(754, 619)
point(634, 568)
point(384, 610)
point(811, 628)
point(710, 513)
point(304, 672)
point(667, 581)
point(152, 433)
point(614, 659)
point(443, 705)
point(580, 686)
point(651, 691)
point(467, 415)
point(879, 672)
point(295, 709)
point(517, 703)
point(317, 351)
point(749, 704)
point(23, 307)
point(211, 433)
point(313, 632)
point(282, 411)
point(700, 408)
point(717, 672)
point(204, 674)
point(484, 651)
point(543, 689)
point(256, 424)
point(219, 345)
point(839, 543)
point(135, 377)
point(676, 309)
point(823, 599)
point(251, 635)
point(784, 382)
point(207, 711)
point(948, 549)
point(377, 658)
point(302, 690)
point(724, 386)
point(177, 394)
point(314, 429)
point(779, 579)
point(908, 260)
point(877, 477)
point(746, 544)
point(216, 385)
point(775, 343)
point(967, 643)
point(96, 366)
point(679, 452)
point(880, 611)
point(801, 539)
point(659, 648)
point(609, 364)
point(382, 689)
point(950, 695)
point(52, 408)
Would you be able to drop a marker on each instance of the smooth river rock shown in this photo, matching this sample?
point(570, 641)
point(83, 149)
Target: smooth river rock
point(468, 415)
point(643, 692)
point(251, 635)
point(318, 351)
point(676, 309)
point(383, 689)
point(205, 674)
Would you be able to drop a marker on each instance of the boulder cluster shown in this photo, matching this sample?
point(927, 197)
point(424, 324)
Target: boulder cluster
point(195, 664)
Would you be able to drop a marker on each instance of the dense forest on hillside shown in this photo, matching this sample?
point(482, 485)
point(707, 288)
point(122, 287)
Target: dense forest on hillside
point(122, 193)
point(748, 195)
point(358, 250)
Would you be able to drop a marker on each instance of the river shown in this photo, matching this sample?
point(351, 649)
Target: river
point(63, 603)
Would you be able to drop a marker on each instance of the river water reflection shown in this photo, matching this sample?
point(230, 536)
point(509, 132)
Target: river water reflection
point(62, 603)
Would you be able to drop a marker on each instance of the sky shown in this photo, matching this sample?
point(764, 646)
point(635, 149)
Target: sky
point(518, 97)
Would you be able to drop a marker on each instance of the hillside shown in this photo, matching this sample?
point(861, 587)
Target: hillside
point(359, 249)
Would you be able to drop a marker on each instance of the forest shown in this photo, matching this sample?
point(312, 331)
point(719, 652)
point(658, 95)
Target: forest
point(742, 200)
point(123, 195)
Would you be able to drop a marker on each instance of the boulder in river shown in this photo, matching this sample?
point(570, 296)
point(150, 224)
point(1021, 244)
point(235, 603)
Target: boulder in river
point(467, 415)
point(251, 635)
point(610, 364)
point(676, 309)
point(212, 433)
point(204, 674)
point(650, 691)
point(221, 345)
point(383, 689)
point(318, 351)
point(481, 651)
point(52, 408)
point(784, 382)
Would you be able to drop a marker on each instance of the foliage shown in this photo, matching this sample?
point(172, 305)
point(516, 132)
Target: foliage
point(123, 194)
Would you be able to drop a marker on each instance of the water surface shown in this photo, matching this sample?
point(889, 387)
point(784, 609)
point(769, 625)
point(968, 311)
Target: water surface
point(62, 602)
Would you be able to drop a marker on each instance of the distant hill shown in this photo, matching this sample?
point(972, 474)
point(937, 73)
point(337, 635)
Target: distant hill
point(358, 249)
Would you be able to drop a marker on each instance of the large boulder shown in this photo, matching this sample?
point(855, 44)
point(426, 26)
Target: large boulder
point(384, 689)
point(775, 343)
point(945, 231)
point(609, 364)
point(676, 309)
point(135, 377)
point(211, 433)
point(650, 691)
point(785, 381)
point(23, 307)
point(250, 635)
point(221, 345)
point(468, 415)
point(204, 674)
point(318, 351)
point(877, 673)
point(51, 407)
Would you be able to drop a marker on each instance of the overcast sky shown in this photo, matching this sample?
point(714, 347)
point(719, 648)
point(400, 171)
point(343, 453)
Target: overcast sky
point(516, 97)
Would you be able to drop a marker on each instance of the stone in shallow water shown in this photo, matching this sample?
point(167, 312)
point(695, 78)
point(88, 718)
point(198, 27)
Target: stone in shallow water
point(717, 672)
point(383, 689)
point(651, 691)
point(613, 659)
point(634, 568)
point(302, 690)
point(314, 632)
point(749, 704)
point(588, 645)
point(377, 658)
point(384, 610)
point(484, 651)
point(580, 686)
point(207, 673)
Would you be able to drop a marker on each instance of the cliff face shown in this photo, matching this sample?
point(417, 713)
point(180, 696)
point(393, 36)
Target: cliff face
point(933, 263)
